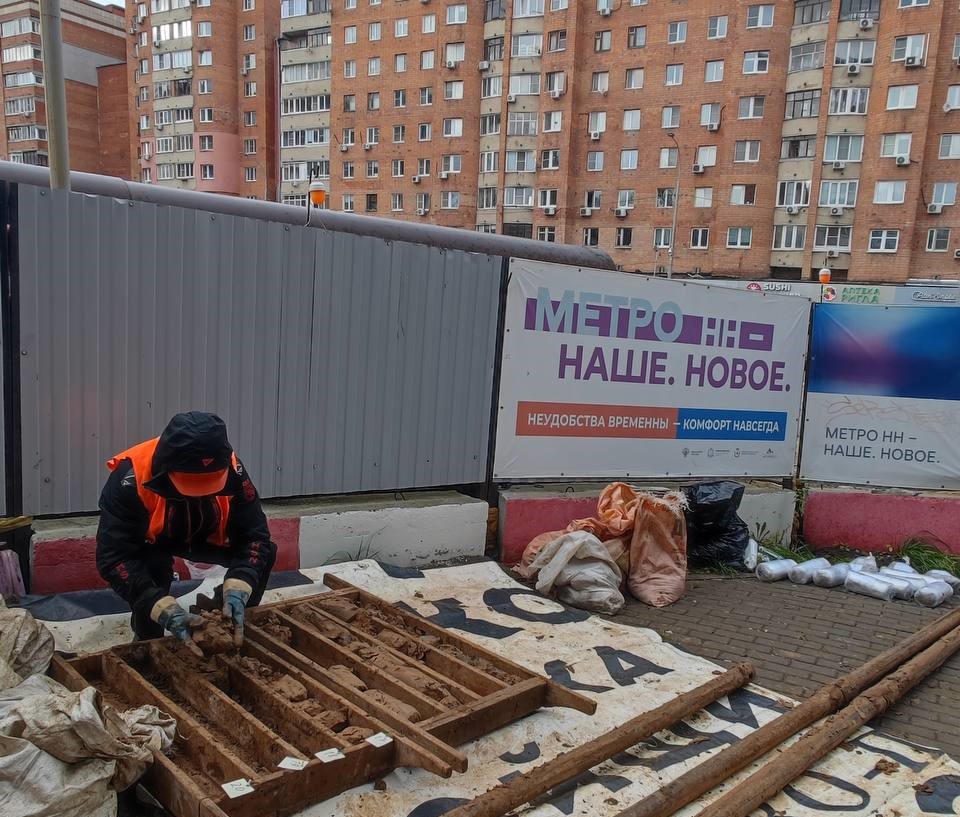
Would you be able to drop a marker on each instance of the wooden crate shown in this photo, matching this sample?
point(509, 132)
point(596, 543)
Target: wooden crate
point(345, 675)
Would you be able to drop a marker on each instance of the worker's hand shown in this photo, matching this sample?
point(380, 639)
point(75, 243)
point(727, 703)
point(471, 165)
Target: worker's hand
point(177, 621)
point(236, 592)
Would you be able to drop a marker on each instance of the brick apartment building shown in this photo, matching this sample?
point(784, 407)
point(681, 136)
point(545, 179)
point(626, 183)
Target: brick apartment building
point(94, 51)
point(799, 134)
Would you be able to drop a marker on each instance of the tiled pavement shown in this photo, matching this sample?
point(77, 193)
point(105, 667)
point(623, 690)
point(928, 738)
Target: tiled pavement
point(798, 637)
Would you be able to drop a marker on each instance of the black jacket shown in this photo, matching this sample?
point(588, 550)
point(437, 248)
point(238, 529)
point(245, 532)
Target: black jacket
point(124, 555)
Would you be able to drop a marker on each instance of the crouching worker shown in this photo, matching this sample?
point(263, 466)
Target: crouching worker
point(184, 494)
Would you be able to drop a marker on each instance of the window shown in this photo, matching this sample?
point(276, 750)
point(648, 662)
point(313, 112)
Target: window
point(944, 193)
point(668, 157)
point(424, 132)
point(717, 28)
point(634, 77)
point(399, 63)
point(902, 97)
point(184, 170)
point(204, 29)
point(21, 52)
point(666, 196)
point(494, 10)
point(206, 114)
point(624, 237)
point(631, 119)
point(373, 67)
point(938, 240)
point(457, 14)
point(591, 236)
point(807, 12)
point(518, 197)
point(21, 25)
point(597, 122)
point(703, 197)
point(710, 113)
point(348, 170)
point(426, 60)
point(849, 100)
point(249, 147)
point(556, 81)
point(349, 102)
point(859, 9)
point(373, 136)
point(20, 105)
point(746, 150)
point(552, 121)
point(595, 160)
point(593, 199)
point(883, 241)
point(744, 195)
point(490, 124)
point(756, 62)
point(401, 27)
point(713, 71)
point(527, 8)
point(806, 56)
point(423, 167)
point(305, 104)
point(801, 104)
point(547, 197)
point(546, 234)
point(206, 171)
point(426, 96)
point(449, 200)
point(904, 4)
point(348, 136)
point(304, 137)
point(626, 199)
point(670, 117)
point(556, 41)
point(526, 45)
point(347, 203)
point(146, 176)
point(793, 194)
point(489, 161)
point(397, 168)
point(491, 87)
point(636, 37)
point(739, 237)
point(628, 159)
point(838, 193)
point(453, 89)
point(953, 98)
point(854, 52)
point(428, 24)
point(751, 107)
point(662, 238)
point(305, 71)
point(895, 144)
point(249, 33)
point(373, 169)
point(843, 148)
point(950, 146)
point(674, 76)
point(349, 35)
point(707, 155)
point(789, 236)
point(699, 238)
point(487, 198)
point(453, 127)
point(399, 134)
point(759, 16)
point(165, 172)
point(524, 84)
point(205, 86)
point(600, 81)
point(602, 41)
point(677, 32)
point(249, 5)
point(910, 45)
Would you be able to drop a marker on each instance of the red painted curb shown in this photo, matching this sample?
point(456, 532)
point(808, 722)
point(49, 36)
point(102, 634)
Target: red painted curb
point(523, 519)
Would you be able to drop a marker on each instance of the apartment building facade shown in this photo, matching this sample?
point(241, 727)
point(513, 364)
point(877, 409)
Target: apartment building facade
point(94, 50)
point(204, 75)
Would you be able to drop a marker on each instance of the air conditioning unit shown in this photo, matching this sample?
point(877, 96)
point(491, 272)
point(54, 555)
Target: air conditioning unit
point(344, 148)
point(902, 161)
point(836, 211)
point(832, 254)
point(956, 253)
point(156, 43)
point(451, 63)
point(934, 209)
point(713, 127)
point(912, 62)
point(367, 145)
point(483, 65)
point(697, 167)
point(159, 127)
point(443, 175)
point(296, 184)
point(549, 211)
point(244, 71)
point(586, 211)
point(511, 99)
point(422, 211)
point(594, 135)
point(853, 70)
point(839, 165)
point(620, 212)
point(792, 210)
point(606, 12)
point(416, 180)
point(866, 23)
point(556, 93)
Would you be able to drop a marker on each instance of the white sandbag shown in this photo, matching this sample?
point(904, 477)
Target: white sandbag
point(831, 576)
point(902, 566)
point(775, 570)
point(751, 554)
point(915, 580)
point(943, 575)
point(579, 571)
point(867, 584)
point(864, 564)
point(26, 646)
point(803, 572)
point(934, 594)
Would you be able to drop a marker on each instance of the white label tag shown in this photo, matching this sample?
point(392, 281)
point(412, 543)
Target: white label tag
point(329, 755)
point(294, 764)
point(379, 739)
point(237, 788)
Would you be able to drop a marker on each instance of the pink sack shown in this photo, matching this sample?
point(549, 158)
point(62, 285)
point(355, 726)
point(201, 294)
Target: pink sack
point(658, 550)
point(531, 551)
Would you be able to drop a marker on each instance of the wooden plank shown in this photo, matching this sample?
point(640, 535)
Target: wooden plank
point(488, 714)
point(325, 652)
point(256, 738)
point(176, 791)
point(557, 694)
point(210, 756)
point(435, 756)
point(67, 672)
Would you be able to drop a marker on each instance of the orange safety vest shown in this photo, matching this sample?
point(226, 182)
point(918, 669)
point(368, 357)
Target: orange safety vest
point(141, 456)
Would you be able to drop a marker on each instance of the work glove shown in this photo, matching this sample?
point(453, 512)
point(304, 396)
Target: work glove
point(236, 593)
point(177, 621)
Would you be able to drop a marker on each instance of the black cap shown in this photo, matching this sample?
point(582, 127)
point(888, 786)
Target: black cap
point(194, 442)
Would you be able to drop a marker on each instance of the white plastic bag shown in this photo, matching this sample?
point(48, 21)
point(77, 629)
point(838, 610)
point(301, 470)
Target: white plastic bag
point(864, 564)
point(867, 584)
point(945, 576)
point(579, 571)
point(751, 554)
point(915, 580)
point(775, 570)
point(901, 566)
point(902, 588)
point(933, 594)
point(831, 576)
point(803, 572)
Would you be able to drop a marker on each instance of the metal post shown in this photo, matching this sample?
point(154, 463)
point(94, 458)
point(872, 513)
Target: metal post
point(676, 204)
point(55, 94)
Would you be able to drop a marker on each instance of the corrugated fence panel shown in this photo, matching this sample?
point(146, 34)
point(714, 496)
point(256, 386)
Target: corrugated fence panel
point(340, 363)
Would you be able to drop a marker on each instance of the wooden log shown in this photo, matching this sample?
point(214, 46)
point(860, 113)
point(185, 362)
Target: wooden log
point(712, 771)
point(793, 761)
point(539, 780)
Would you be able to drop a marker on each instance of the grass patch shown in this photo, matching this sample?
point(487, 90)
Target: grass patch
point(798, 551)
point(924, 557)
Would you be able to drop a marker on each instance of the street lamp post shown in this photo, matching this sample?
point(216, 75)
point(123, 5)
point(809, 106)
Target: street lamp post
point(676, 204)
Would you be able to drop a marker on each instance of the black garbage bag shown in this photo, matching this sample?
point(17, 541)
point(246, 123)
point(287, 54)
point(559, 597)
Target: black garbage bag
point(715, 534)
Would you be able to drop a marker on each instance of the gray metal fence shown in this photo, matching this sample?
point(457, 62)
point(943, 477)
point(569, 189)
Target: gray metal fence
point(340, 362)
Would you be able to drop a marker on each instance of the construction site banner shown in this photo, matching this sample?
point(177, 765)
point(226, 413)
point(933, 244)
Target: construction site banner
point(606, 374)
point(883, 406)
